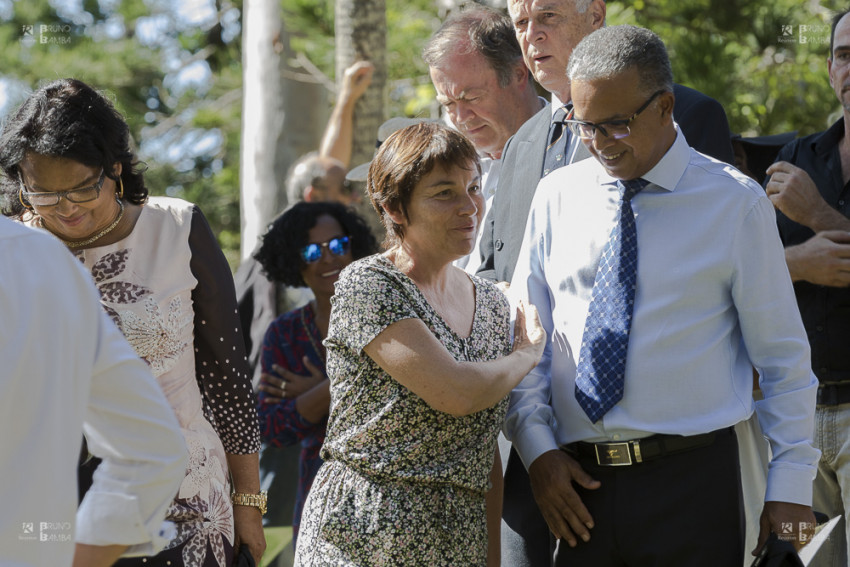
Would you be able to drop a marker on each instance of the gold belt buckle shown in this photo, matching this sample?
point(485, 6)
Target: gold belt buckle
point(613, 454)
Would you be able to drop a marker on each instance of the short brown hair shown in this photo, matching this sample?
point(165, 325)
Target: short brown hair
point(482, 30)
point(404, 159)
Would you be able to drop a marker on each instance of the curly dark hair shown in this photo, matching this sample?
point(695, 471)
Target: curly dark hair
point(66, 118)
point(279, 253)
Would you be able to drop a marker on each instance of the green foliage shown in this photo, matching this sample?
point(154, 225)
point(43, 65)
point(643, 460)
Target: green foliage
point(186, 131)
point(310, 25)
point(741, 53)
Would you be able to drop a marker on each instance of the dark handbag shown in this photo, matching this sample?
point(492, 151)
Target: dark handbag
point(777, 553)
point(244, 558)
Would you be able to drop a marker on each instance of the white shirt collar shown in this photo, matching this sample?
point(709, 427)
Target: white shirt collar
point(671, 167)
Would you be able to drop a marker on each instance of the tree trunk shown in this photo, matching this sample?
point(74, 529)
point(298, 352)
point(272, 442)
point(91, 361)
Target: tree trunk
point(361, 33)
point(282, 118)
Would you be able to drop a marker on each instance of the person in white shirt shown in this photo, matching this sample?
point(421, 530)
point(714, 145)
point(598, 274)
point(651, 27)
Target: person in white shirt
point(652, 477)
point(67, 370)
point(485, 89)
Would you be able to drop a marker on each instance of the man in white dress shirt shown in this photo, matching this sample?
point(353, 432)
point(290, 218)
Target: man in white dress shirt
point(485, 89)
point(653, 478)
point(67, 370)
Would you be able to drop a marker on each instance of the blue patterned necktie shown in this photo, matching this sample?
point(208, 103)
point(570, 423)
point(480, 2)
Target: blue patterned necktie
point(556, 150)
point(600, 374)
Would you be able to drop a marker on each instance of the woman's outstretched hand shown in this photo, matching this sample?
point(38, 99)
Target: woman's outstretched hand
point(529, 334)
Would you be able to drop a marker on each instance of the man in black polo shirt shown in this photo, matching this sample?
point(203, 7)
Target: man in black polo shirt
point(809, 188)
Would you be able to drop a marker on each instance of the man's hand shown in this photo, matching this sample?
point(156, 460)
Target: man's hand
point(356, 80)
point(824, 259)
point(787, 521)
point(552, 475)
point(794, 193)
point(286, 384)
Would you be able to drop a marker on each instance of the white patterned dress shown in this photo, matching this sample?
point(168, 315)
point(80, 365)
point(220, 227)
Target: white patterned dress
point(169, 289)
point(402, 484)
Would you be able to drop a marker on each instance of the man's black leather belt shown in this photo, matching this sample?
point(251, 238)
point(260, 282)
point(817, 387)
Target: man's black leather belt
point(834, 394)
point(639, 450)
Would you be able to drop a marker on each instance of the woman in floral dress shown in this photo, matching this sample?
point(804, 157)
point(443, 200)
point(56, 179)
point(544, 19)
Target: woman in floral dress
point(68, 169)
point(420, 363)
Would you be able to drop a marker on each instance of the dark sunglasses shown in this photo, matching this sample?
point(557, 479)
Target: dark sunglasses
point(338, 246)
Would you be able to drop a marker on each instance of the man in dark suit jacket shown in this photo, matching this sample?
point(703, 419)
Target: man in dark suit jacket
point(547, 34)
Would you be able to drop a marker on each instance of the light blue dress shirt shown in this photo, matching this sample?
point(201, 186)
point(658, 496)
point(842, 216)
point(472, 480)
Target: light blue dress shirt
point(713, 299)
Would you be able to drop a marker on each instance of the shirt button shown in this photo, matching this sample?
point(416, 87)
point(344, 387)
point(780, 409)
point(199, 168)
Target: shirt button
point(841, 202)
point(616, 437)
point(819, 329)
point(498, 244)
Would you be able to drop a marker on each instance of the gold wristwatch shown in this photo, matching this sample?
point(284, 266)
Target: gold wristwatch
point(255, 500)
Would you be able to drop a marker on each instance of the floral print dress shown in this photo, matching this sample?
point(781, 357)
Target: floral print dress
point(169, 290)
point(402, 484)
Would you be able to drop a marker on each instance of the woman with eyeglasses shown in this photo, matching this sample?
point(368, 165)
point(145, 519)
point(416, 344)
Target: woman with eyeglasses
point(68, 169)
point(309, 244)
point(420, 363)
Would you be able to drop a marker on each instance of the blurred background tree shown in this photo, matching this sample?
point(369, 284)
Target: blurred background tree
point(765, 61)
point(172, 69)
point(175, 70)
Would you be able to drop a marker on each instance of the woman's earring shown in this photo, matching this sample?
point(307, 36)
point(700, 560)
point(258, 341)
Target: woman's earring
point(121, 186)
point(26, 205)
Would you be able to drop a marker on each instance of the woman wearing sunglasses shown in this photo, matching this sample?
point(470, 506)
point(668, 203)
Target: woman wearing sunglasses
point(307, 245)
point(420, 363)
point(68, 169)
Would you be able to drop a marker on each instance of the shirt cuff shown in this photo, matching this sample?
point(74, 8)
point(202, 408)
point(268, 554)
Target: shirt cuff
point(109, 518)
point(789, 483)
point(533, 441)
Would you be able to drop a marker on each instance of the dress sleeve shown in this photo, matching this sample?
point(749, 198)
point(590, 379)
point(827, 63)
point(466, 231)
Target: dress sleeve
point(368, 298)
point(221, 365)
point(280, 423)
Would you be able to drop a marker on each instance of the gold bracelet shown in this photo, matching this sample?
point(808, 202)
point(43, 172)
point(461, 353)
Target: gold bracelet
point(256, 500)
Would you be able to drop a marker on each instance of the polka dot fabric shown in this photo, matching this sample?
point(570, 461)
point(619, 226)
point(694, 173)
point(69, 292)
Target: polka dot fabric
point(169, 289)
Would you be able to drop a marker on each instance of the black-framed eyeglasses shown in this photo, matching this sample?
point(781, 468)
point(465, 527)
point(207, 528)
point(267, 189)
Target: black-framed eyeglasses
point(338, 246)
point(617, 129)
point(45, 199)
